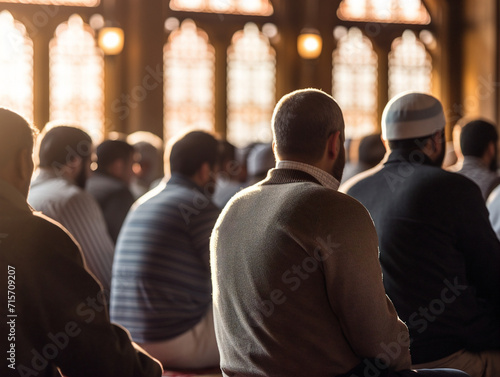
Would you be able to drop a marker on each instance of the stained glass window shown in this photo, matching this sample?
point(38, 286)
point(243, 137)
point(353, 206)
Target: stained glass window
point(410, 65)
point(250, 7)
point(395, 11)
point(77, 77)
point(83, 3)
point(355, 83)
point(16, 66)
point(189, 69)
point(251, 81)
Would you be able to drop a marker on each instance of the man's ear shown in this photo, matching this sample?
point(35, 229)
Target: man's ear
point(491, 150)
point(204, 172)
point(333, 145)
point(25, 168)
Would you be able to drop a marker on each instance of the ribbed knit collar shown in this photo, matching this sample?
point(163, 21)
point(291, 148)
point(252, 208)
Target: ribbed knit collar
point(321, 176)
point(284, 176)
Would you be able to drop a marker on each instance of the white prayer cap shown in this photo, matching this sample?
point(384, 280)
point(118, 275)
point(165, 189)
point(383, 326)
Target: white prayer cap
point(411, 115)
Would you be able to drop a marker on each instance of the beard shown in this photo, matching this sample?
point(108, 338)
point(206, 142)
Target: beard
point(81, 178)
point(338, 165)
point(493, 164)
point(438, 162)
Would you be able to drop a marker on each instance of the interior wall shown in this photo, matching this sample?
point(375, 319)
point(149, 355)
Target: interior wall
point(480, 82)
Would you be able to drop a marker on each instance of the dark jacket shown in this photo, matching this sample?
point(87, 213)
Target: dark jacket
point(114, 198)
point(53, 311)
point(439, 255)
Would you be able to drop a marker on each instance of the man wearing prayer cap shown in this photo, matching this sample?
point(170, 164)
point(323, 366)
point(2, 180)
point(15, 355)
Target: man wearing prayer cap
point(439, 255)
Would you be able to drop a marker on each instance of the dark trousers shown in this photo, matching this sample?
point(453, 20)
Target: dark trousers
point(376, 368)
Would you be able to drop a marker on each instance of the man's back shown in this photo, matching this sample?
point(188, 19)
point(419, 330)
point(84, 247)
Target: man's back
point(57, 316)
point(114, 198)
point(161, 278)
point(439, 255)
point(80, 214)
point(297, 289)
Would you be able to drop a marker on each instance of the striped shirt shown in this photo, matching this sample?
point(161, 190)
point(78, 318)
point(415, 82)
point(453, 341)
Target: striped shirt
point(80, 214)
point(161, 276)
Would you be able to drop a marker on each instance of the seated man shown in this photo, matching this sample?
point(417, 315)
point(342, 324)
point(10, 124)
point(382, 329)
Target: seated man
point(439, 254)
point(58, 191)
point(109, 183)
point(297, 282)
point(478, 143)
point(161, 289)
point(54, 314)
point(148, 171)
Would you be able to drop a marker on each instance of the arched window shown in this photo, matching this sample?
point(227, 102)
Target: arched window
point(251, 77)
point(410, 65)
point(247, 7)
point(82, 3)
point(77, 77)
point(397, 11)
point(16, 66)
point(189, 71)
point(355, 82)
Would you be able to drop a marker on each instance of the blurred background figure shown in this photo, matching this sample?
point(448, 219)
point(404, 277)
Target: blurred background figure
point(232, 175)
point(478, 144)
point(260, 159)
point(64, 156)
point(148, 170)
point(109, 184)
point(371, 151)
point(454, 158)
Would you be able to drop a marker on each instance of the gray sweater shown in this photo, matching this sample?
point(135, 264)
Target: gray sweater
point(297, 283)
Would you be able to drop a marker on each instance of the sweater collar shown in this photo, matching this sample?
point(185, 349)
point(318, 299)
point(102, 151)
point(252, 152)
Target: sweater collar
point(283, 176)
point(322, 177)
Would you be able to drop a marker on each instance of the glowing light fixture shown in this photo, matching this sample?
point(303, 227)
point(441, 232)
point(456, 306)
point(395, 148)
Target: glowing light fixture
point(111, 40)
point(309, 44)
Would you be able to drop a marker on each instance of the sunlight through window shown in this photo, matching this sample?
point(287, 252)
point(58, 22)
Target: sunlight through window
point(355, 83)
point(189, 66)
point(247, 7)
point(410, 65)
point(251, 81)
point(83, 3)
point(16, 66)
point(77, 77)
point(395, 11)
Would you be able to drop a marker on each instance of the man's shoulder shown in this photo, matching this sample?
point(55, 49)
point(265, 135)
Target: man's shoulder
point(56, 190)
point(309, 196)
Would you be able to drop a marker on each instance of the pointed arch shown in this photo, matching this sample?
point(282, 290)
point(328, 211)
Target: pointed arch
point(391, 11)
point(355, 83)
point(251, 78)
point(189, 80)
point(77, 77)
point(410, 65)
point(16, 66)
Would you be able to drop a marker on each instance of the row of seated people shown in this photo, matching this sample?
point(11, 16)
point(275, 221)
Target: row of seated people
point(286, 280)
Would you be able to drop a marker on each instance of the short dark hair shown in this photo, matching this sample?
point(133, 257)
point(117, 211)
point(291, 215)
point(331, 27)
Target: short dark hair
point(16, 134)
point(111, 150)
point(192, 150)
point(302, 122)
point(475, 137)
point(62, 144)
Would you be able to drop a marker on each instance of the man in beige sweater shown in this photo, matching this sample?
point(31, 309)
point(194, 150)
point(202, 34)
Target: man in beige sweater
point(296, 278)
